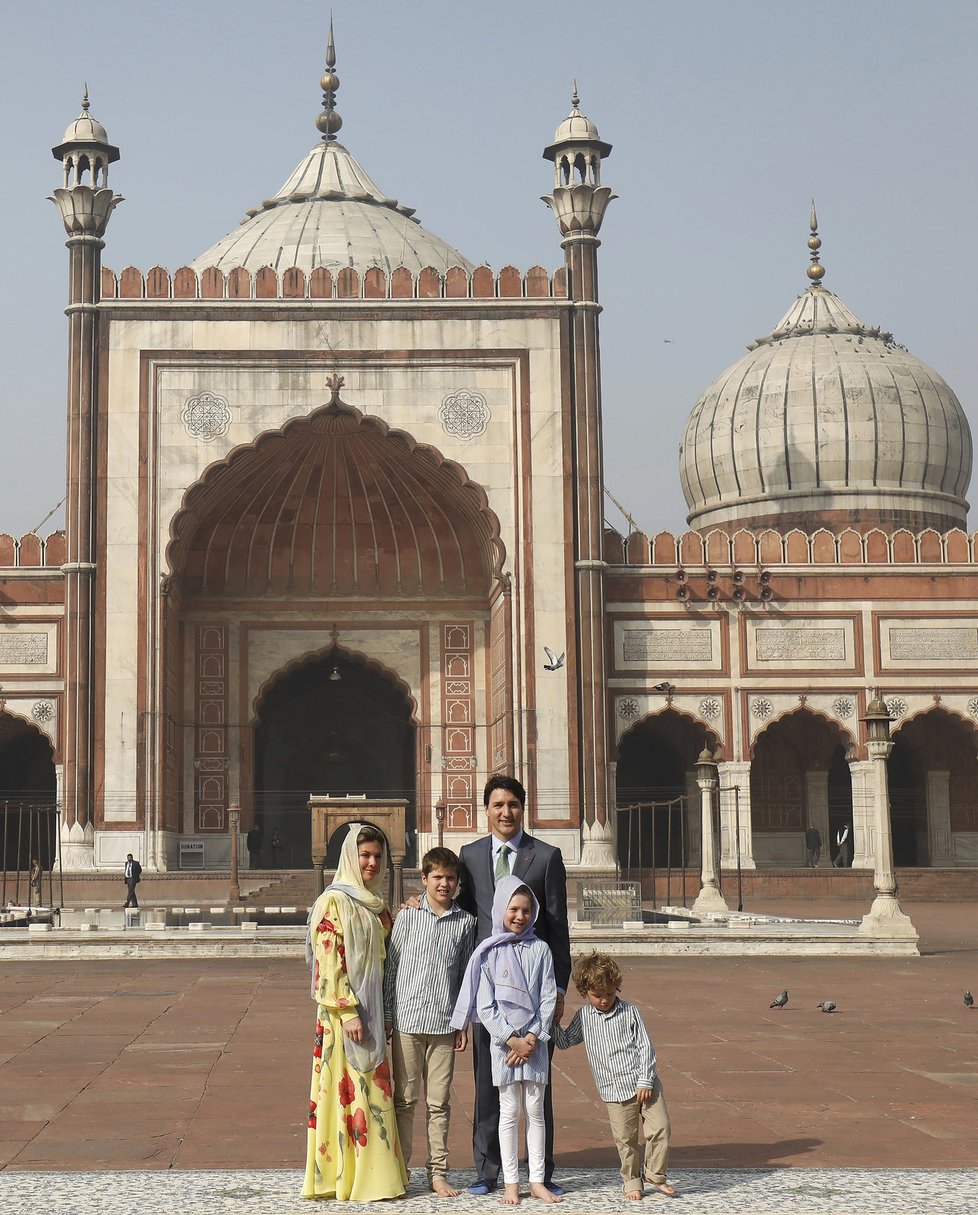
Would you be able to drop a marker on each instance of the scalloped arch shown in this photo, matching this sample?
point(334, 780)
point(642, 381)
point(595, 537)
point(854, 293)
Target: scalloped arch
point(670, 712)
point(354, 657)
point(937, 710)
point(335, 503)
point(799, 710)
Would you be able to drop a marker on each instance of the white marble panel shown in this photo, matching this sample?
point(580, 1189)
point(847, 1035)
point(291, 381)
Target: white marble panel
point(801, 643)
point(929, 644)
point(668, 646)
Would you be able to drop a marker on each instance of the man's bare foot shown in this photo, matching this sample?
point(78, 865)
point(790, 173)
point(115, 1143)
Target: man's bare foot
point(634, 1195)
point(664, 1187)
point(511, 1194)
point(539, 1190)
point(441, 1187)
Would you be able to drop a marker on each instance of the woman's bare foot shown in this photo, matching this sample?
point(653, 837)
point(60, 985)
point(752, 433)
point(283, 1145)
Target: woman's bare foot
point(441, 1187)
point(539, 1190)
point(511, 1194)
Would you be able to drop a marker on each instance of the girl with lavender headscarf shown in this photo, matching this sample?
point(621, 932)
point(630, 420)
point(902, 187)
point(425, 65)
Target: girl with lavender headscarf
point(509, 986)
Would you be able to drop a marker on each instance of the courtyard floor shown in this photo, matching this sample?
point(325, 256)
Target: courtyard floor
point(181, 1086)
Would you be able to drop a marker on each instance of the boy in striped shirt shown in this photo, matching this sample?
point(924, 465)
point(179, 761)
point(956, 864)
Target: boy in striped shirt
point(427, 954)
point(622, 1060)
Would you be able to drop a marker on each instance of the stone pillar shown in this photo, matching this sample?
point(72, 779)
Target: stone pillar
point(86, 204)
point(863, 810)
point(735, 808)
point(817, 810)
point(709, 897)
point(886, 918)
point(939, 819)
point(694, 820)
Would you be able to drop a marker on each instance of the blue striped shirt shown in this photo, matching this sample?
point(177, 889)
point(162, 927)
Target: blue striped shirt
point(426, 959)
point(618, 1046)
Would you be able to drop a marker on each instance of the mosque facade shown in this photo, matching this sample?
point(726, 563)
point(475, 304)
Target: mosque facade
point(335, 524)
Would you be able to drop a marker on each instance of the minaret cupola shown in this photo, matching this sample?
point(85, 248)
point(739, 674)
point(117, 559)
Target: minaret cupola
point(579, 199)
point(84, 199)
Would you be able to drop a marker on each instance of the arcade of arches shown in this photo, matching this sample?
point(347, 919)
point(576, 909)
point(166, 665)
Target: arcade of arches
point(804, 770)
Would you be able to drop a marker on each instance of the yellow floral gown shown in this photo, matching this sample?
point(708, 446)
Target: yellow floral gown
point(352, 1152)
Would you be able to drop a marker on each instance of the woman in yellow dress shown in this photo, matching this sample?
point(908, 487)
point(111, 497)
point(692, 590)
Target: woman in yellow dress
point(352, 1152)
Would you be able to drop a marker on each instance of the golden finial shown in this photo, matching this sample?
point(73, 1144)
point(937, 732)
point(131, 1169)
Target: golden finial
point(816, 271)
point(328, 121)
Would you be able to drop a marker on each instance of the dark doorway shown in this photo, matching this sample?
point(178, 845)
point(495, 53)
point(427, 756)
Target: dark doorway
point(28, 795)
point(653, 759)
point(334, 725)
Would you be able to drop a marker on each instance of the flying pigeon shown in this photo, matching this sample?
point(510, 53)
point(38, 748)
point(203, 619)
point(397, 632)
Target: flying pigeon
point(969, 1000)
point(553, 663)
point(827, 1006)
point(665, 686)
point(781, 1001)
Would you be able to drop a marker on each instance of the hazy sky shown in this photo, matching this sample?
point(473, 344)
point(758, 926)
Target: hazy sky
point(726, 117)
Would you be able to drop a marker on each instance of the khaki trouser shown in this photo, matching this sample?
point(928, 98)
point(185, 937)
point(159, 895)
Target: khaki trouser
point(624, 1117)
point(427, 1059)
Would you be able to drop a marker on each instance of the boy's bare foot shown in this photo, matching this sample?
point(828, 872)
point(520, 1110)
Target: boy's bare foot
point(539, 1190)
point(441, 1187)
point(511, 1194)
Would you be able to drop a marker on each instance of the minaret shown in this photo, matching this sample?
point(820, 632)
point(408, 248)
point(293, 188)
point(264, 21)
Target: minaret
point(86, 203)
point(578, 202)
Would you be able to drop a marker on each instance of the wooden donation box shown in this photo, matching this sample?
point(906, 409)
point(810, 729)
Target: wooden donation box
point(328, 814)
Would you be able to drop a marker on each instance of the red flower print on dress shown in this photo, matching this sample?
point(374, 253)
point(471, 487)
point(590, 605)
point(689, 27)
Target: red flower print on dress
point(317, 1050)
point(347, 1089)
point(311, 1123)
point(382, 1078)
point(326, 926)
point(324, 1149)
point(356, 1126)
point(341, 950)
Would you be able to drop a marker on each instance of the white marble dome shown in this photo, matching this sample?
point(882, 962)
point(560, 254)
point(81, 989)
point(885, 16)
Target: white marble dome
point(826, 422)
point(330, 213)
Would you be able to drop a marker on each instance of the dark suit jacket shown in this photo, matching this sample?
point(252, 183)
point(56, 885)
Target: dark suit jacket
point(137, 870)
point(541, 867)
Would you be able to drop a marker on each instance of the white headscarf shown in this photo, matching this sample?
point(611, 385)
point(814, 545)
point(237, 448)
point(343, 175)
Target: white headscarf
point(359, 905)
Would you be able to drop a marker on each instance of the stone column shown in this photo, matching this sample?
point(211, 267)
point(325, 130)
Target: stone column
point(709, 897)
point(863, 811)
point(735, 807)
point(886, 918)
point(939, 819)
point(817, 810)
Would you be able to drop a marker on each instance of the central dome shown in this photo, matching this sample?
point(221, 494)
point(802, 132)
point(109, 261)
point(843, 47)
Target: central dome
point(826, 422)
point(330, 214)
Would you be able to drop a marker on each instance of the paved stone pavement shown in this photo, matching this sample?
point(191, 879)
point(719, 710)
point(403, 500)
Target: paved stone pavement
point(177, 1068)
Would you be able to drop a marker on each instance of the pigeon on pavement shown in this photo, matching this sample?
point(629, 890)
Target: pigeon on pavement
point(781, 1001)
point(827, 1006)
point(969, 1000)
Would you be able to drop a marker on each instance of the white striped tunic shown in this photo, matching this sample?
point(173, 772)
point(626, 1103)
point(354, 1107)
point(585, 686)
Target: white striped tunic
point(618, 1046)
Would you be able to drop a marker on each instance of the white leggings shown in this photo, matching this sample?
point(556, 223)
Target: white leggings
point(511, 1097)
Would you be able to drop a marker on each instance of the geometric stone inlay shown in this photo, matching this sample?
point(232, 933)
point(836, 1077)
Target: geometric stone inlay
point(628, 708)
point(973, 706)
point(43, 710)
point(464, 414)
point(761, 707)
point(896, 707)
point(206, 417)
point(710, 708)
point(843, 707)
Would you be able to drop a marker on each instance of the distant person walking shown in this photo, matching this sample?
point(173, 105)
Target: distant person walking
point(813, 845)
point(132, 873)
point(253, 840)
point(276, 850)
point(843, 842)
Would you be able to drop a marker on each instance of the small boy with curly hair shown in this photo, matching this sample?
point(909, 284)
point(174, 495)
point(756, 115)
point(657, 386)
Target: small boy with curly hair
point(622, 1060)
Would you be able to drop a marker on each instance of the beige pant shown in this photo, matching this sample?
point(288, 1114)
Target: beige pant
point(429, 1060)
point(624, 1117)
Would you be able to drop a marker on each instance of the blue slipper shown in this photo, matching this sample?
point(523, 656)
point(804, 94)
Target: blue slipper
point(481, 1186)
point(558, 1191)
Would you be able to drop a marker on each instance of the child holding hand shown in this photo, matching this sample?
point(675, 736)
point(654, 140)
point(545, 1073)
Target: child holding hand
point(622, 1061)
point(509, 987)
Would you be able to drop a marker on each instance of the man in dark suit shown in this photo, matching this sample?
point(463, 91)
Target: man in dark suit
point(132, 874)
point(508, 849)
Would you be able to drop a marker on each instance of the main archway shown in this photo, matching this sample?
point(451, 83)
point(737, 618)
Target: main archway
point(335, 724)
point(28, 795)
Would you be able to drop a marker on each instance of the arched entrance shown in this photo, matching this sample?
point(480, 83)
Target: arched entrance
point(338, 725)
point(28, 794)
point(654, 758)
point(933, 780)
point(799, 775)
